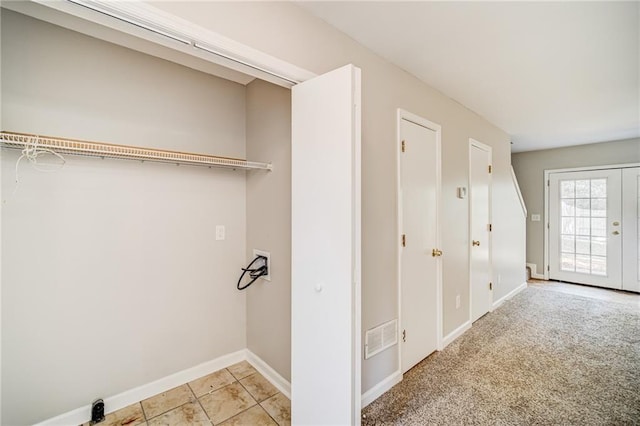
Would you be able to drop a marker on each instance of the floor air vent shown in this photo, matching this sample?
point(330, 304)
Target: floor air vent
point(380, 338)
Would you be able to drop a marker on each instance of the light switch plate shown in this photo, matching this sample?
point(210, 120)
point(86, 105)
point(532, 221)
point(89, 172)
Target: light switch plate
point(535, 218)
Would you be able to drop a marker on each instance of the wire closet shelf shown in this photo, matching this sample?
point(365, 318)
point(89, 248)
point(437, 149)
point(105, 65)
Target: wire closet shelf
point(106, 150)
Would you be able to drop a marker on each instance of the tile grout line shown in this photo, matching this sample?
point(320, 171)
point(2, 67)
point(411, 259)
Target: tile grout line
point(146, 421)
point(259, 403)
point(268, 413)
point(200, 403)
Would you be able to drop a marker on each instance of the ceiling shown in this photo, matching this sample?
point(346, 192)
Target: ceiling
point(550, 74)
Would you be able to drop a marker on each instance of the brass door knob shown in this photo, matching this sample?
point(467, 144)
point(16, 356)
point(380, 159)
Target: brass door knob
point(616, 233)
point(475, 243)
point(436, 253)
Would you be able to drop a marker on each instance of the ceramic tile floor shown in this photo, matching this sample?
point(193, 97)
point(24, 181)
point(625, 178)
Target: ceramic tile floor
point(237, 395)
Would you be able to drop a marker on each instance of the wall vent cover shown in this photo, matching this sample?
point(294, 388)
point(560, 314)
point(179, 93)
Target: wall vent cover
point(380, 338)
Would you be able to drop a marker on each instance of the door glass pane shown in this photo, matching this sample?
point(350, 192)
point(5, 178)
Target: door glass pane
point(598, 188)
point(568, 225)
point(598, 207)
point(568, 207)
point(599, 227)
point(567, 262)
point(582, 245)
point(568, 244)
point(599, 246)
point(583, 207)
point(567, 189)
point(583, 264)
point(583, 226)
point(583, 189)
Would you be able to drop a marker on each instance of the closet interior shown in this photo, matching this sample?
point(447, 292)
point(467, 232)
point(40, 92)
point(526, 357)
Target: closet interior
point(116, 273)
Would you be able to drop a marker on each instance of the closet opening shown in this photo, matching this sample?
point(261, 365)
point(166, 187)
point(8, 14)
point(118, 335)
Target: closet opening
point(126, 271)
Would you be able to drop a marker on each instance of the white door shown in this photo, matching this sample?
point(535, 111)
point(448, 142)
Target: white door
point(631, 229)
point(585, 243)
point(325, 245)
point(419, 268)
point(480, 228)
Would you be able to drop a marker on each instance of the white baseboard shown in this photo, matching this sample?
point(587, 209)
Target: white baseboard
point(509, 295)
point(455, 334)
point(282, 384)
point(126, 398)
point(384, 385)
point(534, 272)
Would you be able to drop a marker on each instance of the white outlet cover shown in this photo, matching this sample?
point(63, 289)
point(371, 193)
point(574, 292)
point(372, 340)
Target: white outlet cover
point(220, 232)
point(535, 218)
point(266, 254)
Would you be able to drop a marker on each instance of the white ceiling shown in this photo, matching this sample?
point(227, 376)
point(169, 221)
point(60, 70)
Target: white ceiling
point(548, 73)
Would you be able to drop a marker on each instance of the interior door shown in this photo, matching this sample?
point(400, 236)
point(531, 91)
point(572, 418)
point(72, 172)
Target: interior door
point(419, 168)
point(325, 260)
point(585, 243)
point(631, 229)
point(480, 229)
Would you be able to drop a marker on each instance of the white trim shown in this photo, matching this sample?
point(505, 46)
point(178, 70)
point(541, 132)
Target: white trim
point(509, 295)
point(282, 384)
point(534, 273)
point(449, 338)
point(196, 40)
point(381, 387)
point(517, 186)
point(131, 396)
point(489, 150)
point(406, 115)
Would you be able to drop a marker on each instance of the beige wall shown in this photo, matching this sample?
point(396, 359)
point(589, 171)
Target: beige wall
point(111, 274)
point(530, 167)
point(284, 30)
point(269, 223)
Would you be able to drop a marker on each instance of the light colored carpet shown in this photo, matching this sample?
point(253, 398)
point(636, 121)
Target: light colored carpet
point(543, 358)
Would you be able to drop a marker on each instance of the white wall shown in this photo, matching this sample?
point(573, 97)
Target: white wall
point(111, 275)
point(284, 30)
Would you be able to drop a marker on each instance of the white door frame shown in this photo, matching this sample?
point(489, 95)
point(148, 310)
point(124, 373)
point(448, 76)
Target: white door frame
point(484, 147)
point(406, 115)
point(547, 172)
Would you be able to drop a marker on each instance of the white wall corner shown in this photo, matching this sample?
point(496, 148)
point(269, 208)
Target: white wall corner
point(534, 272)
point(455, 334)
point(282, 384)
point(508, 296)
point(131, 396)
point(384, 385)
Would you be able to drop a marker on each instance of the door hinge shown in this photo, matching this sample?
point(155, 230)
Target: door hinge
point(404, 335)
point(404, 240)
point(490, 169)
point(548, 183)
point(548, 268)
point(403, 146)
point(490, 227)
point(490, 286)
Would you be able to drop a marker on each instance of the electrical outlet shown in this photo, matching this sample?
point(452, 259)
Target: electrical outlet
point(458, 302)
point(266, 254)
point(220, 232)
